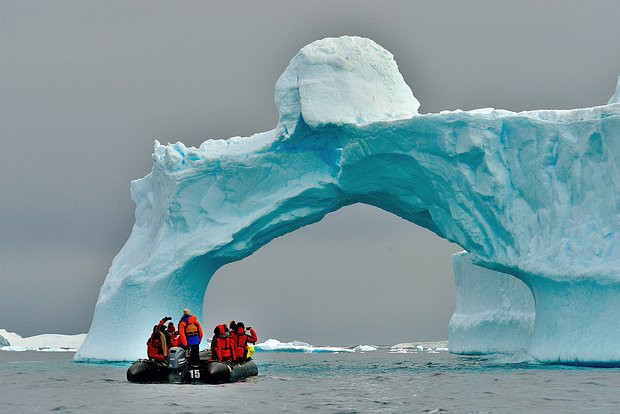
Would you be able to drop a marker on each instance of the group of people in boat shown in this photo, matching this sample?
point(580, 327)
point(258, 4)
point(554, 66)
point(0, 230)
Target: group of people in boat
point(227, 345)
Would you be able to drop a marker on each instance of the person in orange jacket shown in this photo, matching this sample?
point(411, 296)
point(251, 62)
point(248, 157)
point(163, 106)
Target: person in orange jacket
point(156, 347)
point(240, 341)
point(190, 333)
point(221, 344)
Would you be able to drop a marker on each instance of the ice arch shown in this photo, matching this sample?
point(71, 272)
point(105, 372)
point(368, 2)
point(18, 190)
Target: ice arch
point(534, 194)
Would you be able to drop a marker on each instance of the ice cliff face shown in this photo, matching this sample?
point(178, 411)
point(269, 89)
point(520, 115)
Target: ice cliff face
point(494, 311)
point(532, 194)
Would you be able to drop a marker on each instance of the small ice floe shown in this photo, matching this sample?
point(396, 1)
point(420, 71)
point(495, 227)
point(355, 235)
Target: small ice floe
point(399, 351)
point(412, 347)
point(273, 345)
point(365, 348)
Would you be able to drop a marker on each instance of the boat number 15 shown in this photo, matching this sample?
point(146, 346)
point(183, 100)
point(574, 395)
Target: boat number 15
point(194, 373)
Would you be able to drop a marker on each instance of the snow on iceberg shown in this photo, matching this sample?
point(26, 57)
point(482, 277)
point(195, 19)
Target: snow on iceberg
point(10, 341)
point(532, 194)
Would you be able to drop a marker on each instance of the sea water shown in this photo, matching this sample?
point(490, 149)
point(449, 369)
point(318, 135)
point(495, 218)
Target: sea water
point(360, 382)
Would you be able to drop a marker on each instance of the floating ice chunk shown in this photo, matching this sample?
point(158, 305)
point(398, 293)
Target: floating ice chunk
point(420, 346)
point(273, 345)
point(365, 348)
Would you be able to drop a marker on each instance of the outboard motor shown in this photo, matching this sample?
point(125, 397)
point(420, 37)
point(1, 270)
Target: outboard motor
point(176, 358)
point(178, 365)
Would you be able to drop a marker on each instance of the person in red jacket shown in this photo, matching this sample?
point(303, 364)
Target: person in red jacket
point(240, 341)
point(221, 345)
point(173, 335)
point(156, 347)
point(190, 333)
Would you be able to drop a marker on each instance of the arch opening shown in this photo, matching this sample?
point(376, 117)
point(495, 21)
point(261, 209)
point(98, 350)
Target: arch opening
point(360, 275)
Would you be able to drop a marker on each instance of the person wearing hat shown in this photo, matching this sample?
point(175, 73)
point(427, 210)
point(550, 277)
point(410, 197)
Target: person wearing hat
point(156, 348)
point(221, 344)
point(173, 334)
point(190, 333)
point(240, 340)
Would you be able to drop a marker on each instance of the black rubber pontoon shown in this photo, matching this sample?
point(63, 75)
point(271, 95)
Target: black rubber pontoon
point(179, 371)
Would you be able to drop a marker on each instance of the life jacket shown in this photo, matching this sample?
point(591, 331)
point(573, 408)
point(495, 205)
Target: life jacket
point(240, 343)
point(172, 336)
point(156, 347)
point(190, 331)
point(221, 345)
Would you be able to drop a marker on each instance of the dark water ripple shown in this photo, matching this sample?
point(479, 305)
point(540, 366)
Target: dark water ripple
point(319, 383)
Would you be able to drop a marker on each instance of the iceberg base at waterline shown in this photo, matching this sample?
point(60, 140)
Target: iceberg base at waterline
point(494, 312)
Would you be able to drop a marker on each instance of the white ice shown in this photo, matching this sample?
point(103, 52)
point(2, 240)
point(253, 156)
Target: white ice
point(273, 345)
point(494, 312)
point(532, 194)
point(10, 341)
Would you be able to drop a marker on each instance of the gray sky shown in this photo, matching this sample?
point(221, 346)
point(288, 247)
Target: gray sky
point(86, 87)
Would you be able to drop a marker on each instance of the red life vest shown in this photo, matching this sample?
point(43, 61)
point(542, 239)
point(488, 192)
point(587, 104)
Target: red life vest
point(175, 340)
point(240, 343)
point(221, 346)
point(156, 348)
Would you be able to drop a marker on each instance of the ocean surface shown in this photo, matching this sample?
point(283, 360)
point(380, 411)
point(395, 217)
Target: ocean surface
point(296, 382)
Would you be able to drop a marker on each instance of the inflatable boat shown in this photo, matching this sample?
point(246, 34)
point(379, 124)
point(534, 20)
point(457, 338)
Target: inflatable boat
point(179, 371)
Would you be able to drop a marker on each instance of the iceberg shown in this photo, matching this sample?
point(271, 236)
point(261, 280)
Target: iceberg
point(10, 341)
point(534, 195)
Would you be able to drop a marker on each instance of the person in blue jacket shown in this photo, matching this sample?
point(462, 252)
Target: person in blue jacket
point(190, 333)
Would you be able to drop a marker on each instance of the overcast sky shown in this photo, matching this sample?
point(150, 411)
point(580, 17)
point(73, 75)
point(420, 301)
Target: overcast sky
point(86, 87)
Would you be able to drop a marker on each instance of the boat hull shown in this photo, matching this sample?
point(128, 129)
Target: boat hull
point(209, 372)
